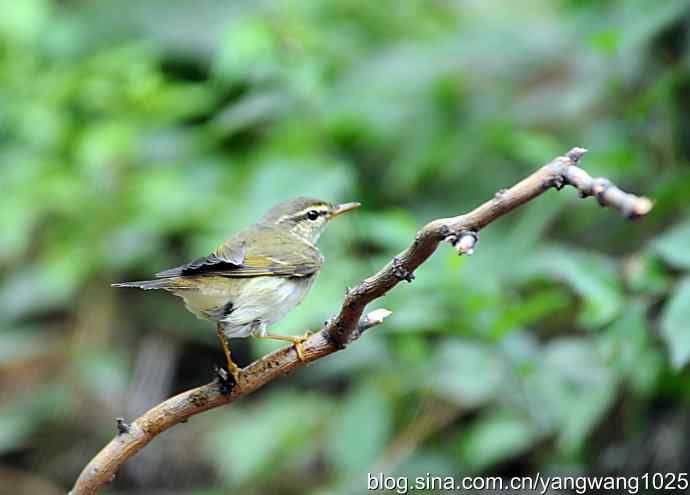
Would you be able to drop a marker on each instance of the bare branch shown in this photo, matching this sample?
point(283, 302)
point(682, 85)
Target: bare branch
point(133, 437)
point(460, 231)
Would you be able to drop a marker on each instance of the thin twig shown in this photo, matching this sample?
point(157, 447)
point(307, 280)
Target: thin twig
point(349, 324)
point(434, 417)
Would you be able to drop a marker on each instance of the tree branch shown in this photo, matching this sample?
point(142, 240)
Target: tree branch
point(349, 324)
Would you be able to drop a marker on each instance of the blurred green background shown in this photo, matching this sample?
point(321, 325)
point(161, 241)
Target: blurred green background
point(137, 135)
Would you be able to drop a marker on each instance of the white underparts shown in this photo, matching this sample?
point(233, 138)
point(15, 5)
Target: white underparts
point(263, 301)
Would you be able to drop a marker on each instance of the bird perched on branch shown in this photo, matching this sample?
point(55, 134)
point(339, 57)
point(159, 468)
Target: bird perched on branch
point(253, 279)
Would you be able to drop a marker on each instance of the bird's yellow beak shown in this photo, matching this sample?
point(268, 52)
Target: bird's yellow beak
point(344, 208)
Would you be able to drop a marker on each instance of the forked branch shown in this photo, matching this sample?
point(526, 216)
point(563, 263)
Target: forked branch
point(348, 325)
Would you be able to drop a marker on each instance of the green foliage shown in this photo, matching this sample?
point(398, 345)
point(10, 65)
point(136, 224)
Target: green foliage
point(243, 447)
point(360, 430)
point(456, 377)
point(494, 438)
point(673, 246)
point(137, 135)
point(675, 324)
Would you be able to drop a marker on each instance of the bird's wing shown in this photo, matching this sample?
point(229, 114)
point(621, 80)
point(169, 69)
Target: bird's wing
point(247, 258)
point(229, 256)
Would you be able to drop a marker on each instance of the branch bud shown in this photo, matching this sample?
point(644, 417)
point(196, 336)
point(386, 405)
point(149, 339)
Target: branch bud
point(467, 241)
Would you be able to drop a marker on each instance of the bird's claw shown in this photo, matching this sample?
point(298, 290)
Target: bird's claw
point(298, 341)
point(226, 379)
point(122, 427)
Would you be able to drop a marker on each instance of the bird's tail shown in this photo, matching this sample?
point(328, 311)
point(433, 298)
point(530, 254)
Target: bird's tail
point(163, 283)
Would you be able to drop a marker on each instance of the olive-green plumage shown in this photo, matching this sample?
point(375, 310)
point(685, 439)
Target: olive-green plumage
point(254, 278)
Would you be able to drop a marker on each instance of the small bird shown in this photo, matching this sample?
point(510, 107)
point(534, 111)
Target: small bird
point(255, 278)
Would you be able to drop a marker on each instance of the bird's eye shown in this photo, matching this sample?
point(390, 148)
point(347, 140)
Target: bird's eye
point(312, 214)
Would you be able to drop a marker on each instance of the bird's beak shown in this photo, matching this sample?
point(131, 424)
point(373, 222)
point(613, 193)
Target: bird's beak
point(344, 208)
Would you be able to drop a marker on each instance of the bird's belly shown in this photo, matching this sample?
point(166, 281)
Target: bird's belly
point(209, 300)
point(264, 300)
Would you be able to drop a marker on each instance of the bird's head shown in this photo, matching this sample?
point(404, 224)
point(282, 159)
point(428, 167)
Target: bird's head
point(306, 217)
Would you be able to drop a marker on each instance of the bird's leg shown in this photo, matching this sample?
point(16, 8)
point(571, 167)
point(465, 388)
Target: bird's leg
point(297, 341)
point(233, 369)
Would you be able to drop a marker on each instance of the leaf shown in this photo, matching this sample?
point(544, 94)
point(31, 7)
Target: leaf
point(252, 110)
point(572, 390)
point(457, 367)
point(423, 461)
point(674, 246)
point(25, 21)
point(262, 438)
point(360, 430)
point(594, 277)
point(675, 324)
point(628, 348)
point(249, 50)
point(313, 176)
point(496, 438)
point(646, 273)
point(531, 309)
point(390, 229)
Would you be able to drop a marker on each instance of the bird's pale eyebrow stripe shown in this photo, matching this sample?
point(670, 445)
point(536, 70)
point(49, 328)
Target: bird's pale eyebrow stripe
point(322, 209)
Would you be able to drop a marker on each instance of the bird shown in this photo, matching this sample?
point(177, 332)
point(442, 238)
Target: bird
point(252, 280)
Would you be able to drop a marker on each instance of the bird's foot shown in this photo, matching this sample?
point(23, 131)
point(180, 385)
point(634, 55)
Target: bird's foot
point(227, 379)
point(233, 369)
point(298, 341)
